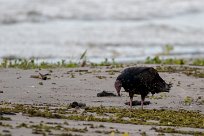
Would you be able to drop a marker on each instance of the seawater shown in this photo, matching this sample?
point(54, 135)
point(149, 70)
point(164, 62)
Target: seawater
point(125, 30)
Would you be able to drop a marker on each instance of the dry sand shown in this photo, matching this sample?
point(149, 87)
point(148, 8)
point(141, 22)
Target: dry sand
point(82, 85)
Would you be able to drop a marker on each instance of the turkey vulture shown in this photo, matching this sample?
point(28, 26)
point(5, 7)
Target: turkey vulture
point(141, 80)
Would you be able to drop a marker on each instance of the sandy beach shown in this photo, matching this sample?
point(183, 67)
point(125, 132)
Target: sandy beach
point(66, 85)
point(57, 58)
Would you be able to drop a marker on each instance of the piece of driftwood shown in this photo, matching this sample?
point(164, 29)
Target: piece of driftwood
point(77, 105)
point(41, 76)
point(105, 94)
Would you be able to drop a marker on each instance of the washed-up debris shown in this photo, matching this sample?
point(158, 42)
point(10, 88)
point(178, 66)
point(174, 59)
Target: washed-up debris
point(101, 77)
point(104, 94)
point(200, 100)
point(137, 103)
point(76, 104)
point(7, 113)
point(41, 76)
point(19, 77)
point(81, 70)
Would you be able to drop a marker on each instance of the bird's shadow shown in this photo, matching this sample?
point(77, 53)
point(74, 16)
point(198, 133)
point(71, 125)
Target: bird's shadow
point(137, 103)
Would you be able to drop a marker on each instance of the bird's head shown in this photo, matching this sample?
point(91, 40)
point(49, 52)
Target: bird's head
point(118, 86)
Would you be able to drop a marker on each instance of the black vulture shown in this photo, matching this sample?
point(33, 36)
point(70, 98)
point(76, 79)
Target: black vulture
point(141, 80)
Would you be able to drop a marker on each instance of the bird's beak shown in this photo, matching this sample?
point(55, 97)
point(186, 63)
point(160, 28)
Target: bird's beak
point(118, 86)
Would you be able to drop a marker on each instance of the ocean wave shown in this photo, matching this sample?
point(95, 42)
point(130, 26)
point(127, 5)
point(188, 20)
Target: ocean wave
point(51, 29)
point(13, 11)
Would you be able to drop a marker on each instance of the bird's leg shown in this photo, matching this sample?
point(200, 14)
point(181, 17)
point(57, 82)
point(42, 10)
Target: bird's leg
point(131, 102)
point(142, 100)
point(131, 99)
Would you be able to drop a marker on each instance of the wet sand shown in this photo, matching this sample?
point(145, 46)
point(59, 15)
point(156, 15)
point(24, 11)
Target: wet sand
point(82, 85)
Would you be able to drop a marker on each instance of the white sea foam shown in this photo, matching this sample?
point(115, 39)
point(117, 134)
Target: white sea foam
point(125, 30)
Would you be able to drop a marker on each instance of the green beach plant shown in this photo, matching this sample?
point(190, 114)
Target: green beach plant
point(188, 100)
point(83, 59)
point(198, 62)
point(168, 48)
point(158, 60)
point(162, 117)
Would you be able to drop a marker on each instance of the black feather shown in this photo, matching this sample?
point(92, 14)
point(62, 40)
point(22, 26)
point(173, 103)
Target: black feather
point(142, 80)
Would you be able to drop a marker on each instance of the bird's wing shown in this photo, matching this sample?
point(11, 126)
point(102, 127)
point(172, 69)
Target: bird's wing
point(147, 77)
